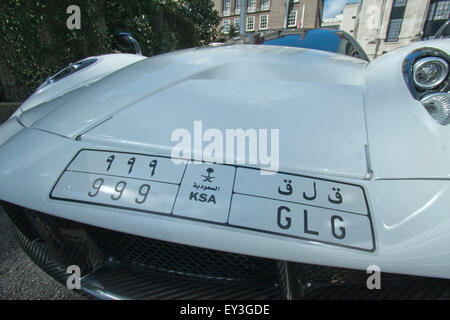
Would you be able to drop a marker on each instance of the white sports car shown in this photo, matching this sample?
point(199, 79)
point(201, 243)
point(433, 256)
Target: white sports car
point(238, 171)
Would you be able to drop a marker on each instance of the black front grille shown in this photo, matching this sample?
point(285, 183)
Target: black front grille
point(160, 256)
point(140, 267)
point(182, 260)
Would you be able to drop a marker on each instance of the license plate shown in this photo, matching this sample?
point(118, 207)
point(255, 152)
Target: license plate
point(282, 204)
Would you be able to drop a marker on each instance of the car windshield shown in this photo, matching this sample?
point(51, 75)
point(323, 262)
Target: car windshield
point(325, 40)
point(444, 32)
point(312, 39)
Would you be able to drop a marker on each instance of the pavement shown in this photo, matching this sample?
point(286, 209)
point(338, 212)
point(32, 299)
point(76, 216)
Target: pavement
point(20, 278)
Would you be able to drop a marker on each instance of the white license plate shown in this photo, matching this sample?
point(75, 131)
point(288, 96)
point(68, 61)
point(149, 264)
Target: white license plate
point(301, 221)
point(118, 192)
point(287, 205)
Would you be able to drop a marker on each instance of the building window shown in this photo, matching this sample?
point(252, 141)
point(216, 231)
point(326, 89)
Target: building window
point(226, 7)
point(396, 20)
point(265, 5)
point(442, 10)
point(431, 11)
point(395, 26)
point(237, 24)
point(250, 23)
point(438, 13)
point(263, 21)
point(237, 7)
point(399, 3)
point(251, 6)
point(226, 26)
point(292, 18)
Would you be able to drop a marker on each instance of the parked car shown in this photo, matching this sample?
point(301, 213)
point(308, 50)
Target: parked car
point(444, 31)
point(94, 175)
point(319, 39)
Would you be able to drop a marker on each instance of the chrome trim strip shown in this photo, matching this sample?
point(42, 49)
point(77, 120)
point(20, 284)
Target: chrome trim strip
point(369, 174)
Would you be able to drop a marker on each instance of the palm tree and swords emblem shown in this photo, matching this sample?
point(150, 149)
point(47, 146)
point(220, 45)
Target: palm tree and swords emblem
point(208, 178)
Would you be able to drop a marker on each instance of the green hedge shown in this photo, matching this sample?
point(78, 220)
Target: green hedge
point(35, 42)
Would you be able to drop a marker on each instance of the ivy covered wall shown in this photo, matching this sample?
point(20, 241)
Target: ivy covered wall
point(35, 41)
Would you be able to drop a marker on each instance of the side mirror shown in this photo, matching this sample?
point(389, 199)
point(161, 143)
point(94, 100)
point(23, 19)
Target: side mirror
point(125, 41)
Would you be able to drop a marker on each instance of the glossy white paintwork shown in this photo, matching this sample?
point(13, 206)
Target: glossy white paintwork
point(327, 108)
point(211, 85)
point(405, 142)
point(105, 65)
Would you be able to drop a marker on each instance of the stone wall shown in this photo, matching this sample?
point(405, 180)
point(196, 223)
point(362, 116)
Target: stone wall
point(373, 22)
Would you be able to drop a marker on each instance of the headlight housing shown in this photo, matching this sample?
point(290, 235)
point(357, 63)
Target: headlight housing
point(426, 73)
point(438, 105)
point(429, 72)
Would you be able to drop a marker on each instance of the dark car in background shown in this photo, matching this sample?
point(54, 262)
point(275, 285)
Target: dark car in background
point(336, 41)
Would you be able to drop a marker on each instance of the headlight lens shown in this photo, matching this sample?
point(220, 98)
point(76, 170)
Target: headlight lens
point(429, 72)
point(438, 105)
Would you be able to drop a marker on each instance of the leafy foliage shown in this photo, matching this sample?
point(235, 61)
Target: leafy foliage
point(36, 43)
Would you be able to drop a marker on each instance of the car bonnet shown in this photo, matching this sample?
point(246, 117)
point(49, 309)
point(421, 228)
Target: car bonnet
point(314, 99)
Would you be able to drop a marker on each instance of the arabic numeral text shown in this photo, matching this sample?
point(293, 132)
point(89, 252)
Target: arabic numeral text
point(143, 191)
point(152, 165)
point(96, 185)
point(120, 187)
point(131, 164)
point(109, 161)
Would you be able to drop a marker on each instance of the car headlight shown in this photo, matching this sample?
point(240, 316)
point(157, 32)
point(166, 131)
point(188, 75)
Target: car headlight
point(438, 105)
point(429, 72)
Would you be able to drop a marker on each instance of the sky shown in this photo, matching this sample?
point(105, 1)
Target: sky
point(334, 7)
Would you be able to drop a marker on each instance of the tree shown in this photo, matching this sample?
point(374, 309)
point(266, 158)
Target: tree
point(233, 32)
point(36, 42)
point(203, 16)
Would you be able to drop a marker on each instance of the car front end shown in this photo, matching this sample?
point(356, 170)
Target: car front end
point(125, 178)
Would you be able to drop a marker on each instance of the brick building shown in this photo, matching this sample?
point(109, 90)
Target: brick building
point(265, 15)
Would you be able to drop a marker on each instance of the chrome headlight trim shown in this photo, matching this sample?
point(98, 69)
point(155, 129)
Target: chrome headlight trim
point(422, 66)
point(436, 98)
point(408, 69)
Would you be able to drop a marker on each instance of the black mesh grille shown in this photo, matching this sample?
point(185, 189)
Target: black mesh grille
point(53, 243)
point(159, 256)
point(320, 276)
point(183, 260)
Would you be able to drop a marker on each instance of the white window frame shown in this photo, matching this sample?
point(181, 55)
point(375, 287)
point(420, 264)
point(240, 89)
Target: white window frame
point(237, 10)
point(266, 7)
point(223, 26)
point(251, 8)
point(267, 22)
point(295, 22)
point(246, 23)
point(226, 9)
